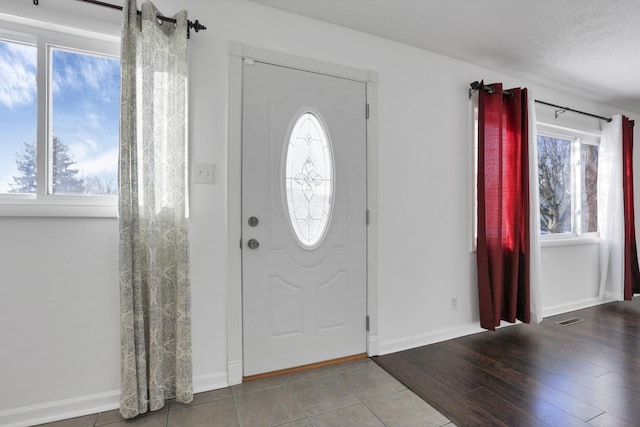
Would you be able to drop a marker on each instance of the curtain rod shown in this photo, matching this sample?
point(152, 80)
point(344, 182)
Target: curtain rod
point(476, 86)
point(563, 109)
point(197, 26)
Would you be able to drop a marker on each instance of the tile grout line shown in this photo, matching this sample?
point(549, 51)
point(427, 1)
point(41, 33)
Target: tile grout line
point(235, 406)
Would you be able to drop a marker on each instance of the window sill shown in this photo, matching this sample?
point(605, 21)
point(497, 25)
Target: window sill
point(545, 243)
point(24, 210)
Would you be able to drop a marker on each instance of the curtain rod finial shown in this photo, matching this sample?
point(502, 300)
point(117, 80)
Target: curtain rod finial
point(476, 85)
point(197, 26)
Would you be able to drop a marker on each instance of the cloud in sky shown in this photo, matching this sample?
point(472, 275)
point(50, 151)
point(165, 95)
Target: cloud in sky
point(103, 163)
point(92, 137)
point(85, 107)
point(82, 73)
point(18, 64)
point(86, 92)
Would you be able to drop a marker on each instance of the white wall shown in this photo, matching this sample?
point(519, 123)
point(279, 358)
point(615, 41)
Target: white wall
point(570, 277)
point(59, 320)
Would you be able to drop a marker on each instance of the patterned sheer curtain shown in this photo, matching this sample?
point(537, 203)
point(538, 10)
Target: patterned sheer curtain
point(155, 290)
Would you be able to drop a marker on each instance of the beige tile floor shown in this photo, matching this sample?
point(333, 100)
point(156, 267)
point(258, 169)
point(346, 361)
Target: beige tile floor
point(357, 393)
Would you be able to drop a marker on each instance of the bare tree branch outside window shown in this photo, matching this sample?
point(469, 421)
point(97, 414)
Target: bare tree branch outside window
point(589, 169)
point(558, 176)
point(554, 183)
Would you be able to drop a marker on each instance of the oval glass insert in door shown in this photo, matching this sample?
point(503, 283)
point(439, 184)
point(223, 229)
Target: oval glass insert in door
point(309, 180)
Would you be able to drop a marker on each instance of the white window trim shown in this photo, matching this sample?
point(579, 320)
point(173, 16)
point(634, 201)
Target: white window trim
point(42, 204)
point(569, 241)
point(577, 137)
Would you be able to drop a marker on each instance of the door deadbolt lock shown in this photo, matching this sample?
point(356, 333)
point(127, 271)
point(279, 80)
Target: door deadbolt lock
point(253, 244)
point(253, 221)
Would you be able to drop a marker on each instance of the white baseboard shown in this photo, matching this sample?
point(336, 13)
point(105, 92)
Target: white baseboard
point(234, 368)
point(60, 409)
point(577, 305)
point(394, 346)
point(210, 382)
point(407, 343)
point(87, 405)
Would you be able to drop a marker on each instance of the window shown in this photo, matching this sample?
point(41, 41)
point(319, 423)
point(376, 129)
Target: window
point(59, 115)
point(85, 116)
point(567, 182)
point(309, 180)
point(18, 116)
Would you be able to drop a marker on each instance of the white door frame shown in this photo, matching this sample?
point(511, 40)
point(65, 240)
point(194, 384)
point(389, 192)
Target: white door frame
point(237, 53)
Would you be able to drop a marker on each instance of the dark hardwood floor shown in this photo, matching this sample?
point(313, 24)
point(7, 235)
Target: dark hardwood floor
point(534, 375)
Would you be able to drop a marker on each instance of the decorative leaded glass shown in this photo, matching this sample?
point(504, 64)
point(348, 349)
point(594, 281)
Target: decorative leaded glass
point(309, 180)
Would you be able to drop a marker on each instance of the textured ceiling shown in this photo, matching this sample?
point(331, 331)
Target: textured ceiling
point(590, 47)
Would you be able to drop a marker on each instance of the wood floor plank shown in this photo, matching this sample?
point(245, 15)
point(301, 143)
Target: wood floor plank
point(590, 342)
point(593, 337)
point(464, 407)
point(608, 420)
point(534, 374)
point(530, 382)
point(442, 364)
point(401, 366)
point(516, 389)
point(530, 358)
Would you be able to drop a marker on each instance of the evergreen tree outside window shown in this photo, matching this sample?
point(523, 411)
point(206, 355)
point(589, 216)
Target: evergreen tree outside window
point(25, 181)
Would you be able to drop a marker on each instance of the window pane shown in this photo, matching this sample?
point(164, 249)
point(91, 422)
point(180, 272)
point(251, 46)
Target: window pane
point(554, 182)
point(309, 180)
point(18, 113)
point(85, 92)
point(589, 174)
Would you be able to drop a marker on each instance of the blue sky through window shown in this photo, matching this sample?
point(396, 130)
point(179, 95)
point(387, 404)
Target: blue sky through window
point(86, 106)
point(18, 102)
point(85, 92)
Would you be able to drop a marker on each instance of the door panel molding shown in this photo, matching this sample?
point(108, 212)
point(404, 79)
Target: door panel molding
point(237, 53)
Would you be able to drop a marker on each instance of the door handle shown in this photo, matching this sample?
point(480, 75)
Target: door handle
point(253, 244)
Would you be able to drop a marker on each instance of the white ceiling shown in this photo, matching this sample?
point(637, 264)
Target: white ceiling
point(590, 47)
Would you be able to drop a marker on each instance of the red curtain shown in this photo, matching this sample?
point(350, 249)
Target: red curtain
point(631, 270)
point(503, 206)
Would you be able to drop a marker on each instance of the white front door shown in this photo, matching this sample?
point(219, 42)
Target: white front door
point(303, 217)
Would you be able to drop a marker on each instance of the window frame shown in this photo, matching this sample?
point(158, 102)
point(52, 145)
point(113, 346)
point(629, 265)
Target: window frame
point(44, 202)
point(577, 139)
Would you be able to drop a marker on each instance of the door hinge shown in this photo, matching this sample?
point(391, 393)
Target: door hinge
point(368, 217)
point(367, 323)
point(241, 243)
point(366, 111)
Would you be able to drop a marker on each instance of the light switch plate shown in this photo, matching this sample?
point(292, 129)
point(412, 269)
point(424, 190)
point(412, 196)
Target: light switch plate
point(203, 173)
